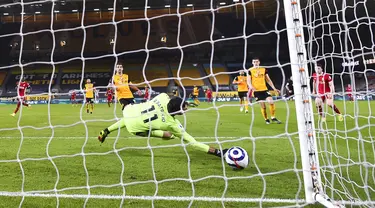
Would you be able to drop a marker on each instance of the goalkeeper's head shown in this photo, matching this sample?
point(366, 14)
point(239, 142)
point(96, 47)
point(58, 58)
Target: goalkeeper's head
point(176, 106)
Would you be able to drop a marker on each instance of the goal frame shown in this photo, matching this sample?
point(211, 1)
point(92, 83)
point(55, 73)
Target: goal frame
point(303, 100)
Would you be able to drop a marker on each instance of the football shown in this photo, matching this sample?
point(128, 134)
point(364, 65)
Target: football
point(237, 158)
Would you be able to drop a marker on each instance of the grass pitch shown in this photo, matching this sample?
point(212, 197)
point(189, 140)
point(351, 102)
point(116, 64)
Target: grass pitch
point(69, 159)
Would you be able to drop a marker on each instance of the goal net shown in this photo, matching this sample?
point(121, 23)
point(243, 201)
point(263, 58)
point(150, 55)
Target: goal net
point(50, 155)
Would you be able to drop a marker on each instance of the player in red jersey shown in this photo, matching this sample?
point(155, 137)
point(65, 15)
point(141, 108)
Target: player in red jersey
point(209, 95)
point(145, 98)
point(109, 95)
point(349, 92)
point(21, 88)
point(323, 87)
point(73, 96)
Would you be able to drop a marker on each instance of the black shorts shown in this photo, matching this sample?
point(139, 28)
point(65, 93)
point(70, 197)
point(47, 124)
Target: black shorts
point(194, 96)
point(242, 94)
point(126, 101)
point(291, 93)
point(261, 95)
point(89, 100)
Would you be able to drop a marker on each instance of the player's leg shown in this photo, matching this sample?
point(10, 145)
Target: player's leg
point(241, 101)
point(246, 104)
point(272, 107)
point(319, 106)
point(196, 100)
point(17, 108)
point(91, 106)
point(261, 99)
point(250, 96)
point(331, 104)
point(25, 104)
point(166, 135)
point(87, 105)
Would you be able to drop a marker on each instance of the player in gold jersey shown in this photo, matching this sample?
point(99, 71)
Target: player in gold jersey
point(195, 95)
point(122, 85)
point(259, 77)
point(89, 91)
point(243, 90)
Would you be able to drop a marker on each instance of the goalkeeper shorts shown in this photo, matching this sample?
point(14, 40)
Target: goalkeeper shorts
point(126, 101)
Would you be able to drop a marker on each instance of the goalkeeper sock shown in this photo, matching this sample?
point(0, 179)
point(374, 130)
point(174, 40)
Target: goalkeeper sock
point(336, 109)
point(119, 124)
point(264, 113)
point(272, 110)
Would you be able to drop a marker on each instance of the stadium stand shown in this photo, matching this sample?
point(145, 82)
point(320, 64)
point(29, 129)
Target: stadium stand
point(3, 75)
point(38, 78)
point(222, 79)
point(188, 75)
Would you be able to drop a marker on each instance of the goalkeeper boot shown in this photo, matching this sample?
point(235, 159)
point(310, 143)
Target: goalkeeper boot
point(218, 152)
point(275, 120)
point(103, 134)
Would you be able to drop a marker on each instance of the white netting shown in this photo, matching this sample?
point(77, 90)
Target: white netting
point(340, 37)
point(55, 154)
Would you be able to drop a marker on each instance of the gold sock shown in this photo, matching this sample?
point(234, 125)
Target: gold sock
point(246, 105)
point(264, 113)
point(272, 110)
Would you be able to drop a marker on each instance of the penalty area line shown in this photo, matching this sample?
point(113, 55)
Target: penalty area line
point(149, 198)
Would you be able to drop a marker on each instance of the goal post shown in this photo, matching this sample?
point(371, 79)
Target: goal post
point(303, 101)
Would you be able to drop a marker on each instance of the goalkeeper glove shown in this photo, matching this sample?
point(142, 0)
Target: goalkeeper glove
point(103, 134)
point(218, 152)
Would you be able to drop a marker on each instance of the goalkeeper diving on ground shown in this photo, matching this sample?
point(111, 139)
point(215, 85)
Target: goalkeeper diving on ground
point(156, 118)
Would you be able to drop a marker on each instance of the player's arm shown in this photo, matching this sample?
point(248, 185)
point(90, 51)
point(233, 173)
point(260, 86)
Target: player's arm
point(331, 87)
point(287, 87)
point(249, 83)
point(314, 86)
point(135, 88)
point(235, 80)
point(270, 83)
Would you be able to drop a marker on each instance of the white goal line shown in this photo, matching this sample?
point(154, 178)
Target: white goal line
point(165, 198)
point(174, 198)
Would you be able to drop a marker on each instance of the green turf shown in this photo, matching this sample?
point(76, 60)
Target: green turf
point(271, 174)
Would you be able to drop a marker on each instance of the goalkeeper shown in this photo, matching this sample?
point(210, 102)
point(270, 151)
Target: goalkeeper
point(157, 119)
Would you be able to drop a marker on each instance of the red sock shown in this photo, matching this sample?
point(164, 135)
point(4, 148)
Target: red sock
point(320, 110)
point(336, 109)
point(18, 107)
point(25, 104)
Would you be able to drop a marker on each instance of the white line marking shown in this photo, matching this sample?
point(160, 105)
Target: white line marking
point(166, 198)
point(173, 198)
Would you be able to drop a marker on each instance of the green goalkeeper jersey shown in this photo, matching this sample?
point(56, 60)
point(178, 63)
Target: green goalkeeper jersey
point(151, 115)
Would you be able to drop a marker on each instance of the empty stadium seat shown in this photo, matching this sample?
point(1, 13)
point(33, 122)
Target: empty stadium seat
point(190, 76)
point(222, 79)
